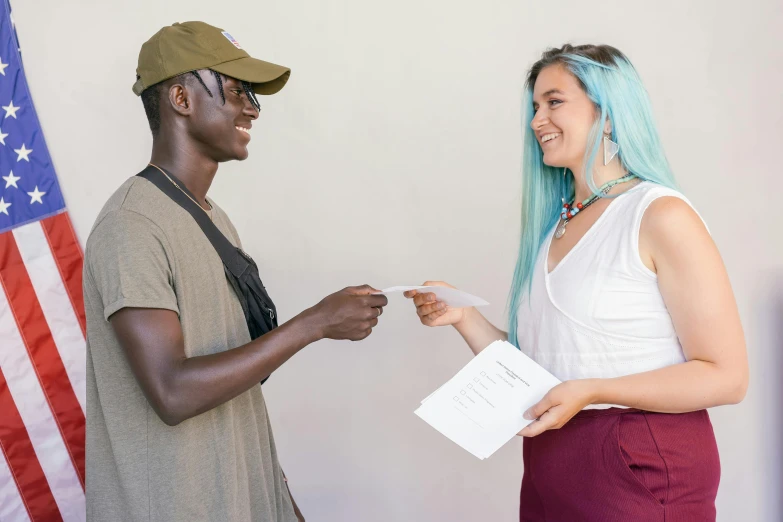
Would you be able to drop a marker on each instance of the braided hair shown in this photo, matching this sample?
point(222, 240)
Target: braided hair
point(150, 97)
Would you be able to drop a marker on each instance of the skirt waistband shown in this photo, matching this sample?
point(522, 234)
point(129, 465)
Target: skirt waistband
point(585, 414)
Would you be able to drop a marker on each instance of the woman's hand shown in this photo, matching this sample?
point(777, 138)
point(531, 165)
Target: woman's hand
point(559, 405)
point(431, 311)
point(471, 325)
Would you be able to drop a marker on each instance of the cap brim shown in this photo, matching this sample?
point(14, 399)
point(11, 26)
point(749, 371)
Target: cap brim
point(267, 78)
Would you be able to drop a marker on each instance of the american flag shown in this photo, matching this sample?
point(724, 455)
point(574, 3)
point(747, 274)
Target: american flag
point(232, 40)
point(42, 323)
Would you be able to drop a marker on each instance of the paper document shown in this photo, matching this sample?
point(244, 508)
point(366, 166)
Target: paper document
point(481, 407)
point(451, 296)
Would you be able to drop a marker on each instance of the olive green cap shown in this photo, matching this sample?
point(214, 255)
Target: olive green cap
point(190, 46)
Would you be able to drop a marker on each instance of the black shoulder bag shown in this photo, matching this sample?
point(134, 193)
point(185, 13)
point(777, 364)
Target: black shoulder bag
point(241, 270)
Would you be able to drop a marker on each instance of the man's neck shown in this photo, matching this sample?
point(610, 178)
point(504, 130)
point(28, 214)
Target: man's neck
point(193, 169)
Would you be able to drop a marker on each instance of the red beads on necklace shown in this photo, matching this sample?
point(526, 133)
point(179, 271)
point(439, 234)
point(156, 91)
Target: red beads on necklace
point(570, 211)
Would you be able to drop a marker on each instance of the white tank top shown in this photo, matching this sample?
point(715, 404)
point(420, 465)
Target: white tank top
point(599, 313)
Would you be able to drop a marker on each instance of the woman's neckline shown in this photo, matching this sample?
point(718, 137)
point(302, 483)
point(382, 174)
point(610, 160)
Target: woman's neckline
point(588, 232)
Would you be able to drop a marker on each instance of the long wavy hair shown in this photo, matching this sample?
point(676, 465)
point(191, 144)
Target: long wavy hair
point(613, 85)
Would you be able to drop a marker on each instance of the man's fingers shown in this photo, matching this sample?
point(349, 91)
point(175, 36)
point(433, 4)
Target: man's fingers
point(362, 290)
point(364, 334)
point(376, 300)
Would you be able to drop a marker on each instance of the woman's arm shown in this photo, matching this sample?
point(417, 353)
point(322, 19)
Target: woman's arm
point(477, 331)
point(694, 284)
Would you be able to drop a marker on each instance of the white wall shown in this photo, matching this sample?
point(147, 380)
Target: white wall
point(393, 157)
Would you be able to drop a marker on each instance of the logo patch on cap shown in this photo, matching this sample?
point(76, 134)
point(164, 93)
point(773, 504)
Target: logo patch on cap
point(232, 40)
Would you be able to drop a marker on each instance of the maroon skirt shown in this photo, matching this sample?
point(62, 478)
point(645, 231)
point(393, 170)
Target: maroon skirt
point(622, 465)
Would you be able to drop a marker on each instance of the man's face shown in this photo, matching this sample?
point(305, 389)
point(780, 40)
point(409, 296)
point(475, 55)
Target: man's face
point(222, 130)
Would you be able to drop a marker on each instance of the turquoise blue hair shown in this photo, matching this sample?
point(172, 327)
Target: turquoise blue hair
point(614, 86)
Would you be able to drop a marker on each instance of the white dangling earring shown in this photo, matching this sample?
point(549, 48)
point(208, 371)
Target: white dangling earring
point(610, 149)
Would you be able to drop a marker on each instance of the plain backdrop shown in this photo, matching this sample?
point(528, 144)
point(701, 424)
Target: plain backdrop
point(392, 157)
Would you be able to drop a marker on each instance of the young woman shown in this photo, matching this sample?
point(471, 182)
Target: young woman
point(620, 292)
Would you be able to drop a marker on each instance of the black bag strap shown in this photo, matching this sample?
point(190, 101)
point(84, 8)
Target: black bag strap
point(242, 272)
point(229, 254)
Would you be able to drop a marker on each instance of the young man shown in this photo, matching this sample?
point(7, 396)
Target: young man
point(177, 428)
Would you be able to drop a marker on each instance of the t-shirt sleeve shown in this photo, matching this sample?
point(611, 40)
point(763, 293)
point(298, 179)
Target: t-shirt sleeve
point(129, 259)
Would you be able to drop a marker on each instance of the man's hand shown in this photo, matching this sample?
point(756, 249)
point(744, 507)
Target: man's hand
point(351, 313)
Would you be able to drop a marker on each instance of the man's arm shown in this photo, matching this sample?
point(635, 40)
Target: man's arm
point(180, 387)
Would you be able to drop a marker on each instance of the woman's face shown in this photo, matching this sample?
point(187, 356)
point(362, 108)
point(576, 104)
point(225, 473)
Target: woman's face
point(564, 116)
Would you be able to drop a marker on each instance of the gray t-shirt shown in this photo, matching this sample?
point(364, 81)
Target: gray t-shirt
point(145, 251)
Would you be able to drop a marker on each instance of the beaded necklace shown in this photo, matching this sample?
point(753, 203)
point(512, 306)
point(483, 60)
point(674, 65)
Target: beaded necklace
point(570, 210)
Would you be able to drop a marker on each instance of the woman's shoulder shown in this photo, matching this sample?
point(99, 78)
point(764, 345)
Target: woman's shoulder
point(669, 222)
point(646, 192)
point(652, 201)
point(664, 205)
point(659, 217)
point(668, 212)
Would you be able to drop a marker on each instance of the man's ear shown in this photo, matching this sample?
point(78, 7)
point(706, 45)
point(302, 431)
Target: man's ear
point(179, 98)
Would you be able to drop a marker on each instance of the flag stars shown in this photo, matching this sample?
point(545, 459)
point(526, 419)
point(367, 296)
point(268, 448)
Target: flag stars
point(23, 153)
point(2, 67)
point(36, 196)
point(3, 136)
point(4, 207)
point(10, 110)
point(10, 180)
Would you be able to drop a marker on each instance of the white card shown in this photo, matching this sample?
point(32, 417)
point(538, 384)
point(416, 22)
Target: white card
point(451, 296)
point(481, 407)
